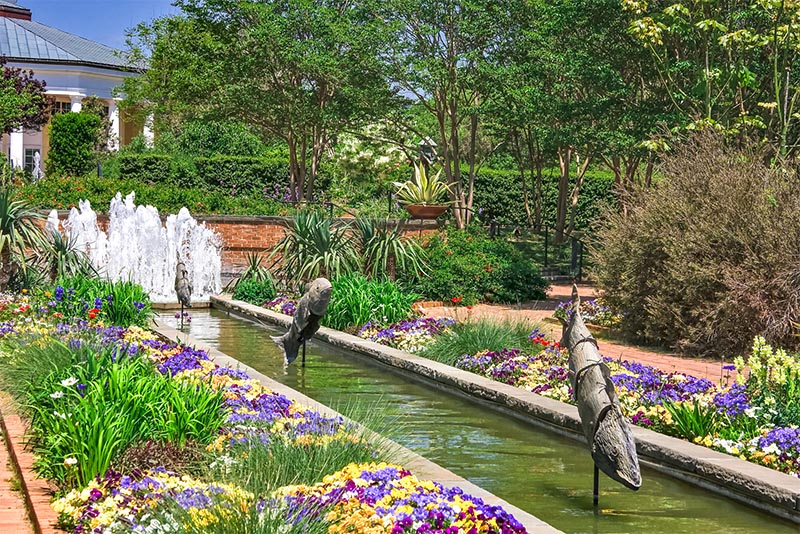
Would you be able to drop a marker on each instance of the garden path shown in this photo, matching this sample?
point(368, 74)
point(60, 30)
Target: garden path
point(538, 311)
point(13, 514)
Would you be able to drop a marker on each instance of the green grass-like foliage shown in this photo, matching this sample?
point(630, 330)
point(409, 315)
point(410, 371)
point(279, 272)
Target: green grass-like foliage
point(471, 265)
point(101, 403)
point(355, 300)
point(123, 303)
point(475, 336)
point(692, 420)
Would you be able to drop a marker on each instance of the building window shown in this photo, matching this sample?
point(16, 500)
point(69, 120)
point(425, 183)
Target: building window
point(61, 107)
point(30, 155)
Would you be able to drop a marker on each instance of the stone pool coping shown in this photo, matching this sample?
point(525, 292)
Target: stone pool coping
point(419, 465)
point(743, 481)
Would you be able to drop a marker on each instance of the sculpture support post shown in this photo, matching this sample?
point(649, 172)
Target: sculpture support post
point(303, 362)
point(596, 488)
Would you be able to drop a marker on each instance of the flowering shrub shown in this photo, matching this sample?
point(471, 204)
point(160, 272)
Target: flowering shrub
point(412, 335)
point(595, 312)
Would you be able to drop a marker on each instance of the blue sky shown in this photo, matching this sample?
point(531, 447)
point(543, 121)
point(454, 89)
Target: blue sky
point(104, 21)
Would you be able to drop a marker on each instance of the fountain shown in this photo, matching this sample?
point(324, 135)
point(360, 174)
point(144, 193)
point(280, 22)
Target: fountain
point(138, 247)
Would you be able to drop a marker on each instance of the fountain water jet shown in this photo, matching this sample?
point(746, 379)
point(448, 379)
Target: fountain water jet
point(139, 248)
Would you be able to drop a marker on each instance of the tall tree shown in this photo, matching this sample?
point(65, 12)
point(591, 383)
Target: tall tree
point(727, 64)
point(298, 70)
point(438, 59)
point(23, 102)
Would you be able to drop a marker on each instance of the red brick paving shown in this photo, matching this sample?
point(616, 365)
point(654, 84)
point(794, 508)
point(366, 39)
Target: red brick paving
point(37, 493)
point(539, 311)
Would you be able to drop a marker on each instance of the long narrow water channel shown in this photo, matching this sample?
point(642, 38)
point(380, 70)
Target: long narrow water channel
point(541, 472)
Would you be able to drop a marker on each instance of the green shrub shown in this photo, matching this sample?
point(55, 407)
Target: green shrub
point(206, 139)
point(707, 259)
point(356, 300)
point(73, 137)
point(146, 168)
point(471, 265)
point(255, 291)
point(313, 247)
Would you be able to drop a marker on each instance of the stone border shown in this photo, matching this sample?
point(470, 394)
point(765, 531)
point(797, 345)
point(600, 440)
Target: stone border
point(419, 465)
point(743, 481)
point(36, 491)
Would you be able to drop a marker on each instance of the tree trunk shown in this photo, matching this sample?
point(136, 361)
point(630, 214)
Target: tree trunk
point(576, 192)
point(564, 159)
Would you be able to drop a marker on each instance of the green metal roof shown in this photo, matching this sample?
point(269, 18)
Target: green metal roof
point(26, 40)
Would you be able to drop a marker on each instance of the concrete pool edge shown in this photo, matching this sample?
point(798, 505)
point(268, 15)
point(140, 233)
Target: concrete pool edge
point(746, 482)
point(419, 465)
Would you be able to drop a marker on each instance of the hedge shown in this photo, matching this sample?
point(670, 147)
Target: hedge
point(238, 174)
point(229, 174)
point(145, 168)
point(498, 195)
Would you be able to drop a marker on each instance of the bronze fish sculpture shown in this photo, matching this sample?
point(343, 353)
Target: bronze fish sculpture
point(310, 309)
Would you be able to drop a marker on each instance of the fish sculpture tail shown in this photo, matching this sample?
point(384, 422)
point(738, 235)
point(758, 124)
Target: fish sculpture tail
point(288, 345)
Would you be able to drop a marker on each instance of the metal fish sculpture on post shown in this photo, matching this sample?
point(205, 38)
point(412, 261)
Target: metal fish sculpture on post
point(607, 431)
point(306, 320)
point(183, 287)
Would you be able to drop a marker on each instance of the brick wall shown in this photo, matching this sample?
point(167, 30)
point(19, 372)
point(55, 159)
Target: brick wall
point(242, 235)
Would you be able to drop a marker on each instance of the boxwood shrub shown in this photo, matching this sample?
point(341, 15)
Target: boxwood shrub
point(471, 265)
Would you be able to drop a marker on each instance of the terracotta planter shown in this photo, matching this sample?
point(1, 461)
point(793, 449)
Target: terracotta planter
point(425, 211)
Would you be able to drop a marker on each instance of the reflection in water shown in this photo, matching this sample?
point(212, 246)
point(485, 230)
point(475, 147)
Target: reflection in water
point(538, 471)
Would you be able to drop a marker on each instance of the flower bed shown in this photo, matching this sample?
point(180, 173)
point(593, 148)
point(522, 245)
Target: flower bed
point(249, 432)
point(412, 335)
point(756, 418)
point(594, 312)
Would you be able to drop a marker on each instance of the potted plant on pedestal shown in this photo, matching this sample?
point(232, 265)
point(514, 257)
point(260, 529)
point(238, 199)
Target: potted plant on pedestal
point(423, 197)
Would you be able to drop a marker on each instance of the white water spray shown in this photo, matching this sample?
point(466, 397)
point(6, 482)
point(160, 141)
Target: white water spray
point(139, 248)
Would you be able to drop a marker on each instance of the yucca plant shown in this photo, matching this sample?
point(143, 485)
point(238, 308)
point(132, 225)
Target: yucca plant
point(383, 249)
point(18, 232)
point(63, 258)
point(313, 247)
point(423, 189)
point(254, 271)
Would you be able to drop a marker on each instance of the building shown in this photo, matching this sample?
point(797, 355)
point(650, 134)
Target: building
point(73, 69)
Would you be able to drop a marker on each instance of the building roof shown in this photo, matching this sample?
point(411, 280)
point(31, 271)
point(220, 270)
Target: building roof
point(26, 40)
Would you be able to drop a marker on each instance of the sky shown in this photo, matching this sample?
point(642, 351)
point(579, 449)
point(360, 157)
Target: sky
point(104, 21)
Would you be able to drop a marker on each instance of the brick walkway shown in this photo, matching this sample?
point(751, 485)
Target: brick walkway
point(538, 311)
point(13, 514)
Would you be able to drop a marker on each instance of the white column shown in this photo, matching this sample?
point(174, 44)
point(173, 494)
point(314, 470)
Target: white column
point(113, 115)
point(76, 103)
point(147, 131)
point(16, 148)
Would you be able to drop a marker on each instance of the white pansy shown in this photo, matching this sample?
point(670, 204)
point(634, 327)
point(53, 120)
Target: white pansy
point(57, 395)
point(69, 382)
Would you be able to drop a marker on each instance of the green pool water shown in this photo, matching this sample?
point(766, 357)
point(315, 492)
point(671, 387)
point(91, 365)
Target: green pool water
point(539, 471)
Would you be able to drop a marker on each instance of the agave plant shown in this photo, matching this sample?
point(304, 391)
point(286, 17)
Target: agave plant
point(18, 232)
point(423, 189)
point(383, 249)
point(314, 247)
